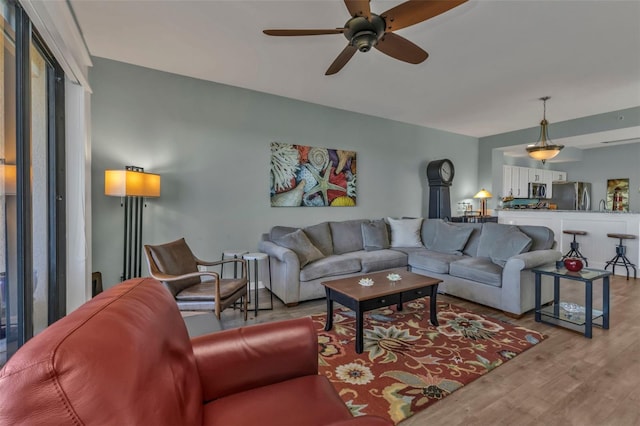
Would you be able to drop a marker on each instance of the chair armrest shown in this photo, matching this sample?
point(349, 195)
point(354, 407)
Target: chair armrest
point(169, 278)
point(222, 262)
point(244, 358)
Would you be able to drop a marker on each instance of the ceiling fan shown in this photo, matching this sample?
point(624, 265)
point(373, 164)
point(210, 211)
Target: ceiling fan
point(365, 29)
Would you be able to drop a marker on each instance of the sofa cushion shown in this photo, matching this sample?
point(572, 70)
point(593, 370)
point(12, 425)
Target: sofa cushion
point(492, 234)
point(432, 261)
point(450, 238)
point(375, 235)
point(541, 236)
point(515, 242)
point(347, 235)
point(330, 266)
point(428, 231)
point(379, 260)
point(477, 269)
point(471, 248)
point(301, 246)
point(405, 232)
point(320, 236)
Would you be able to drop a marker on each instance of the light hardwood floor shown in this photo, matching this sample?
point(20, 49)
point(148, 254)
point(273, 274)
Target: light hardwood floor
point(565, 380)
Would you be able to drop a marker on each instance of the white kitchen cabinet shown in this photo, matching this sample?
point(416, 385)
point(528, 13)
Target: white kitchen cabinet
point(558, 176)
point(523, 182)
point(515, 181)
point(535, 175)
point(507, 181)
point(547, 179)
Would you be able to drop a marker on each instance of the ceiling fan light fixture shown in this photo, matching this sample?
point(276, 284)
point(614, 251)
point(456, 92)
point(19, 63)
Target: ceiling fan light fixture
point(365, 40)
point(544, 149)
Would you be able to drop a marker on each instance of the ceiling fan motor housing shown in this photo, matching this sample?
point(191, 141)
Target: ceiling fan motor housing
point(363, 33)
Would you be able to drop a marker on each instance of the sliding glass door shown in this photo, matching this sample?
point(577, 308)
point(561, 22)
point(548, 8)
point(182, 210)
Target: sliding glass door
point(32, 273)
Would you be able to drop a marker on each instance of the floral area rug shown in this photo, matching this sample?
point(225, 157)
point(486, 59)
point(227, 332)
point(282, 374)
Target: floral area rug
point(408, 364)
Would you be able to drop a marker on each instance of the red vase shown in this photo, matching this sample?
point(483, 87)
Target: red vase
point(573, 264)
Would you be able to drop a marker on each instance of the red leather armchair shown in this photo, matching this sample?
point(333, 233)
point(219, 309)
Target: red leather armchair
point(125, 358)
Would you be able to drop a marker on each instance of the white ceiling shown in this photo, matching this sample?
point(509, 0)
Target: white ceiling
point(490, 60)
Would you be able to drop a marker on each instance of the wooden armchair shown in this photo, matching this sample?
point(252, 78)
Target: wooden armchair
point(177, 268)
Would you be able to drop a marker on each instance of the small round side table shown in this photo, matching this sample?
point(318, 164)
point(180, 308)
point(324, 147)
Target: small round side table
point(257, 257)
point(232, 254)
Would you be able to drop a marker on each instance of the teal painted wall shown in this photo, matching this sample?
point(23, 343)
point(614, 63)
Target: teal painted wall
point(210, 144)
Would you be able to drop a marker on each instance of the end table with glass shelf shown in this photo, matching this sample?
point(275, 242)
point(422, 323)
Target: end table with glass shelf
point(570, 315)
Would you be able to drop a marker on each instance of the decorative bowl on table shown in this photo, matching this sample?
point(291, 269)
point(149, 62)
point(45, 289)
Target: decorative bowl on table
point(573, 264)
point(367, 282)
point(394, 277)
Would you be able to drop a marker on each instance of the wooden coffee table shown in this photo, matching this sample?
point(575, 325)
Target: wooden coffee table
point(349, 293)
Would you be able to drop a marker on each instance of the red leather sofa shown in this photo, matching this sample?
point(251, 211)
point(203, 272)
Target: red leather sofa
point(125, 358)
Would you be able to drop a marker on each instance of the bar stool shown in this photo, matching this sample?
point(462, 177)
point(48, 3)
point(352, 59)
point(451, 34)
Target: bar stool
point(575, 247)
point(621, 257)
point(257, 257)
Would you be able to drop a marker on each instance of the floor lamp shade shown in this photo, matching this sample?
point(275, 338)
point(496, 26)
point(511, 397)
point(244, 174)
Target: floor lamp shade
point(130, 183)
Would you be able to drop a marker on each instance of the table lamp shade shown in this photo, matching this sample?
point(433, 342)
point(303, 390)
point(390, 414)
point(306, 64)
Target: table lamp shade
point(483, 195)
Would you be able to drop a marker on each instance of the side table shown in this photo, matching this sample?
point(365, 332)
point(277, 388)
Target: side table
point(231, 254)
point(571, 315)
point(257, 257)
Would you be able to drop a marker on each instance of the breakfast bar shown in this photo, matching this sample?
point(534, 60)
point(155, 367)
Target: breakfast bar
point(595, 245)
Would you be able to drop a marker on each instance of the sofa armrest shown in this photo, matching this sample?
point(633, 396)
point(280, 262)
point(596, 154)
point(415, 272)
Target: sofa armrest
point(244, 358)
point(531, 259)
point(283, 254)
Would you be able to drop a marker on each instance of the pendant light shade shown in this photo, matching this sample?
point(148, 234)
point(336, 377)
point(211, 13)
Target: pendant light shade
point(544, 149)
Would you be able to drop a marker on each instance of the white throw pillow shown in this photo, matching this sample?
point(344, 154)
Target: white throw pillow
point(405, 232)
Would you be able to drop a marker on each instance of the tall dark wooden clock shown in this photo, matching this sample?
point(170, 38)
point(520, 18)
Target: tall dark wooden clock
point(440, 176)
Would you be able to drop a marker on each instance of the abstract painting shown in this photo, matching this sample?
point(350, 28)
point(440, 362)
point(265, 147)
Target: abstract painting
point(307, 176)
point(618, 195)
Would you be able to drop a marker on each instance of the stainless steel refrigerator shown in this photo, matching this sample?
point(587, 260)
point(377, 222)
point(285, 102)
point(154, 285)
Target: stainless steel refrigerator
point(572, 195)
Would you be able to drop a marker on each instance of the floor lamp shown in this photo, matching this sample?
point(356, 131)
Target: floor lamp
point(133, 185)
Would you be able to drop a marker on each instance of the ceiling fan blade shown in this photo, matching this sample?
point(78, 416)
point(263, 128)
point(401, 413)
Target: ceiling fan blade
point(414, 11)
point(400, 48)
point(358, 8)
point(341, 60)
point(302, 32)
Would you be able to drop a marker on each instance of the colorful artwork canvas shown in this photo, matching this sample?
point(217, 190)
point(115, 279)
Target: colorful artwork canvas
point(618, 195)
point(306, 176)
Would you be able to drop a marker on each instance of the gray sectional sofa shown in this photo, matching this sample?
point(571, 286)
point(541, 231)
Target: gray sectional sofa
point(486, 263)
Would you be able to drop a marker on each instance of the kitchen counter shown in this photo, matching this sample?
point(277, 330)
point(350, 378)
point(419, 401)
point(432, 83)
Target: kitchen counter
point(595, 246)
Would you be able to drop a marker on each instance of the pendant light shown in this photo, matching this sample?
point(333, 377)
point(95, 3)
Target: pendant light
point(544, 149)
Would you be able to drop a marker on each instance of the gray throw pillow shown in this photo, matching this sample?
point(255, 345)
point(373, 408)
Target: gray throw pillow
point(347, 236)
point(320, 236)
point(375, 235)
point(492, 233)
point(301, 246)
point(514, 242)
point(405, 232)
point(450, 239)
